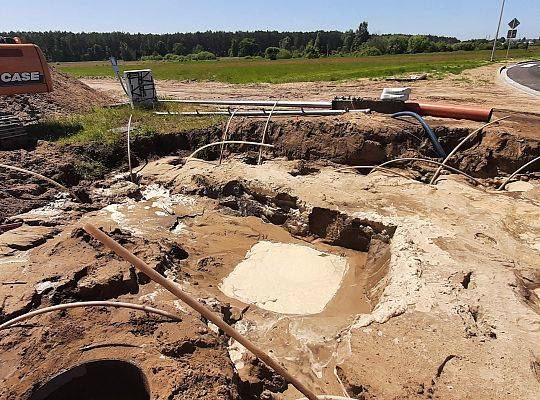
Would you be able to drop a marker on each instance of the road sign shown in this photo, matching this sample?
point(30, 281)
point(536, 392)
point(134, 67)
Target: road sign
point(512, 34)
point(514, 23)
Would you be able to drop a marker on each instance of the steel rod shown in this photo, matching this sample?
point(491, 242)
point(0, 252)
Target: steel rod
point(260, 103)
point(226, 135)
point(226, 142)
point(199, 308)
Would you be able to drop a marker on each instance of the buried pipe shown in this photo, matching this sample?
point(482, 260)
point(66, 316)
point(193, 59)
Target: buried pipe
point(438, 172)
point(427, 129)
point(517, 172)
point(66, 306)
point(198, 307)
point(425, 160)
point(226, 142)
point(226, 135)
point(373, 167)
point(265, 130)
point(51, 181)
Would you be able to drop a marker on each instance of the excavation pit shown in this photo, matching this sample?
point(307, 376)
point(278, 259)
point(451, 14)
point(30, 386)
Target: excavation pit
point(103, 379)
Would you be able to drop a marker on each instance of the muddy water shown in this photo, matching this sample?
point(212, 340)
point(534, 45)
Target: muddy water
point(216, 241)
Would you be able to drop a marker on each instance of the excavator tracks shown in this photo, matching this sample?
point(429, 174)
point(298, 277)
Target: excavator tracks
point(12, 132)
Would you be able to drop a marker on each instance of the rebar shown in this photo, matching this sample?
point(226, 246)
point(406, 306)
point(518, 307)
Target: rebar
point(129, 149)
point(373, 167)
point(225, 135)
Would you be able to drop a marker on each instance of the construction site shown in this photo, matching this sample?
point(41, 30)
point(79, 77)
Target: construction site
point(364, 239)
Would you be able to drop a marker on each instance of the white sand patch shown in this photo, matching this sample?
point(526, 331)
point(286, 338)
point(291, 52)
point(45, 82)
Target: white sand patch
point(286, 278)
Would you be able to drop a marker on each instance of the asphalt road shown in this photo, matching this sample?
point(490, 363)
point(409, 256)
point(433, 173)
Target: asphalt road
point(526, 74)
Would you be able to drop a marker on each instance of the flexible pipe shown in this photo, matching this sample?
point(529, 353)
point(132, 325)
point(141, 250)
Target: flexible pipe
point(438, 172)
point(427, 129)
point(259, 103)
point(372, 167)
point(53, 182)
point(66, 306)
point(225, 135)
point(265, 130)
point(198, 307)
point(264, 113)
point(517, 172)
point(226, 142)
point(129, 148)
point(425, 160)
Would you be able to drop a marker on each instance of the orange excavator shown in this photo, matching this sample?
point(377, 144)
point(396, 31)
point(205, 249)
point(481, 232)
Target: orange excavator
point(23, 68)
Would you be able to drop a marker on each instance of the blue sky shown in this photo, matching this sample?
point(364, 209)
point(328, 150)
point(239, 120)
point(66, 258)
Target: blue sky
point(461, 18)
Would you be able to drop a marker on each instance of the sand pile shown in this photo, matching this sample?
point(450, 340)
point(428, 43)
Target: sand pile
point(69, 96)
point(286, 278)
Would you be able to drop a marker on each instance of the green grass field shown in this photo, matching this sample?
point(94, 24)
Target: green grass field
point(234, 70)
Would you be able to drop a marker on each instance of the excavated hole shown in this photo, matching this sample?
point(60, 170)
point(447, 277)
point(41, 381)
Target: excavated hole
point(103, 380)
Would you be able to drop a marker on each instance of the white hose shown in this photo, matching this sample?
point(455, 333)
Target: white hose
point(66, 306)
point(373, 167)
point(265, 130)
point(226, 135)
point(129, 148)
point(438, 172)
point(226, 142)
point(43, 177)
point(517, 172)
point(425, 160)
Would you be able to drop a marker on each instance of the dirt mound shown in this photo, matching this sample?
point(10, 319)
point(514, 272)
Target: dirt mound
point(69, 96)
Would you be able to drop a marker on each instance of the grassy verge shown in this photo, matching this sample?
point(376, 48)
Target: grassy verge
point(109, 125)
point(235, 70)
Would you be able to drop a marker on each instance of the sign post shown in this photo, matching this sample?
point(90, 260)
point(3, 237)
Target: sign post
point(512, 33)
point(498, 28)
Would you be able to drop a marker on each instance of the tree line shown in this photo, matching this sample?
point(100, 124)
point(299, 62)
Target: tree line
point(93, 46)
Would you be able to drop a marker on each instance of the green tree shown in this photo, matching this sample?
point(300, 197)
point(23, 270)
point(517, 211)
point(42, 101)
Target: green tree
point(248, 47)
point(419, 44)
point(361, 36)
point(317, 43)
point(233, 50)
point(286, 43)
point(198, 49)
point(272, 53)
point(397, 44)
point(311, 51)
point(179, 49)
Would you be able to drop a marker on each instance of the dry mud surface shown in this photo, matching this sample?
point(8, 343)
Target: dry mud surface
point(365, 286)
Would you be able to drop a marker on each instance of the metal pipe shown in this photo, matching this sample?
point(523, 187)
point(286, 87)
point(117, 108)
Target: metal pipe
point(264, 132)
point(262, 113)
point(517, 172)
point(225, 135)
point(427, 129)
point(199, 308)
point(66, 306)
point(438, 172)
point(259, 103)
point(425, 160)
point(226, 142)
point(51, 181)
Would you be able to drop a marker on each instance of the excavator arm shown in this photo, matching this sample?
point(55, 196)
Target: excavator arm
point(23, 69)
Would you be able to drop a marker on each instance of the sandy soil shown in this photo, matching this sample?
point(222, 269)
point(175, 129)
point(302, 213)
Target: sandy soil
point(440, 298)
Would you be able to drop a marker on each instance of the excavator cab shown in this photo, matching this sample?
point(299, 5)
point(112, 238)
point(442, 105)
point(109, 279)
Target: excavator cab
point(23, 68)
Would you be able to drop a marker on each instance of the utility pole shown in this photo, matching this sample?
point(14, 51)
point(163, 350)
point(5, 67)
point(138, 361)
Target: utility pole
point(498, 29)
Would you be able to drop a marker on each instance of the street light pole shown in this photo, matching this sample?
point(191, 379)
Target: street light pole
point(498, 29)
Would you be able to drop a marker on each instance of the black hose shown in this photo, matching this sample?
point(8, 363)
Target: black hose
point(429, 132)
